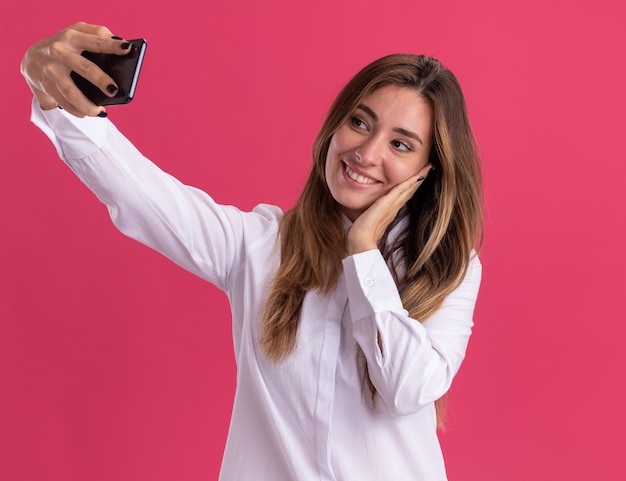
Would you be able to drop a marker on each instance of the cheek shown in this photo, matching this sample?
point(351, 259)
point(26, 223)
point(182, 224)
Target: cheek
point(332, 157)
point(329, 170)
point(398, 173)
point(342, 140)
point(328, 164)
point(401, 171)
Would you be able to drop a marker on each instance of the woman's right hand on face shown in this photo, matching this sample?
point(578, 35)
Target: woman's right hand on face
point(47, 66)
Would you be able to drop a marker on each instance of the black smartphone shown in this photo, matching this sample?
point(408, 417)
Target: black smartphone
point(124, 69)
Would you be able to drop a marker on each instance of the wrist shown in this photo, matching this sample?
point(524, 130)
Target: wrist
point(356, 246)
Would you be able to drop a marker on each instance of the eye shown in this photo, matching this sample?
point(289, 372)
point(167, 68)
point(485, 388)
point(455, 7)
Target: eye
point(358, 123)
point(400, 146)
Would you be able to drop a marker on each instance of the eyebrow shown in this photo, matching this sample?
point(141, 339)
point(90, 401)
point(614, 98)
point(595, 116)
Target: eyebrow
point(398, 130)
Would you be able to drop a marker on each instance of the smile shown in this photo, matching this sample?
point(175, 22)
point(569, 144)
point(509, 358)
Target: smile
point(358, 177)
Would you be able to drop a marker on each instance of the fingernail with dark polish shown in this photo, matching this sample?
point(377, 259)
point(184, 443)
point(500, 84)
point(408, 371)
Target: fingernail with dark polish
point(125, 45)
point(111, 88)
point(420, 178)
point(60, 107)
point(432, 168)
point(115, 37)
point(102, 114)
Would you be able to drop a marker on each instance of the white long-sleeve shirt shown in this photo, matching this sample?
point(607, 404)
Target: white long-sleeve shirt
point(306, 418)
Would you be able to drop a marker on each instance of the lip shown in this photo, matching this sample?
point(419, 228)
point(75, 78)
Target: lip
point(353, 182)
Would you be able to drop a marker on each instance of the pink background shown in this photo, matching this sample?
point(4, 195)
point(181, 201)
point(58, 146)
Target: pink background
point(117, 365)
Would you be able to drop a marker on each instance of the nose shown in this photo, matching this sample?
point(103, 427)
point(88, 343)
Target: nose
point(370, 152)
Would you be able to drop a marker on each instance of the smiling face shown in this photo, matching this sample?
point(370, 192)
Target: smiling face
point(384, 141)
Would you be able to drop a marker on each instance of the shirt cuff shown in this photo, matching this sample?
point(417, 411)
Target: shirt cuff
point(73, 137)
point(371, 288)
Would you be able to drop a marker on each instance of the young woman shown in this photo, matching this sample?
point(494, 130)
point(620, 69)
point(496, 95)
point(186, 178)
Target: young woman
point(352, 310)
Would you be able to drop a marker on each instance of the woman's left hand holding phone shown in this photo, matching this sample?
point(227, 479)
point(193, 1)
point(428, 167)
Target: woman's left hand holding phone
point(47, 66)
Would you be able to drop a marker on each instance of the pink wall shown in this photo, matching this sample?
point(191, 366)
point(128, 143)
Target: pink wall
point(115, 364)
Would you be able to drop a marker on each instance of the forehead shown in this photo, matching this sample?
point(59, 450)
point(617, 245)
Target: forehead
point(394, 96)
point(397, 105)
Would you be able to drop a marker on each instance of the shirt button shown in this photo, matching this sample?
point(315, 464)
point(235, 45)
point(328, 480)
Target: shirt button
point(368, 281)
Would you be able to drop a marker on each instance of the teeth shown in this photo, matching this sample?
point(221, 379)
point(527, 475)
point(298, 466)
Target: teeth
point(358, 178)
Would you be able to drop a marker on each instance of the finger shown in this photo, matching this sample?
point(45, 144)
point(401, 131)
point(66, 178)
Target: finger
point(72, 61)
point(62, 103)
point(61, 87)
point(61, 100)
point(423, 173)
point(413, 183)
point(72, 110)
point(405, 190)
point(46, 102)
point(400, 194)
point(92, 29)
point(92, 72)
point(92, 38)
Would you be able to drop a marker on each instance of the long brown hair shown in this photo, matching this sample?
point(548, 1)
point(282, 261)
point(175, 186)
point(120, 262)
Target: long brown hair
point(429, 258)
